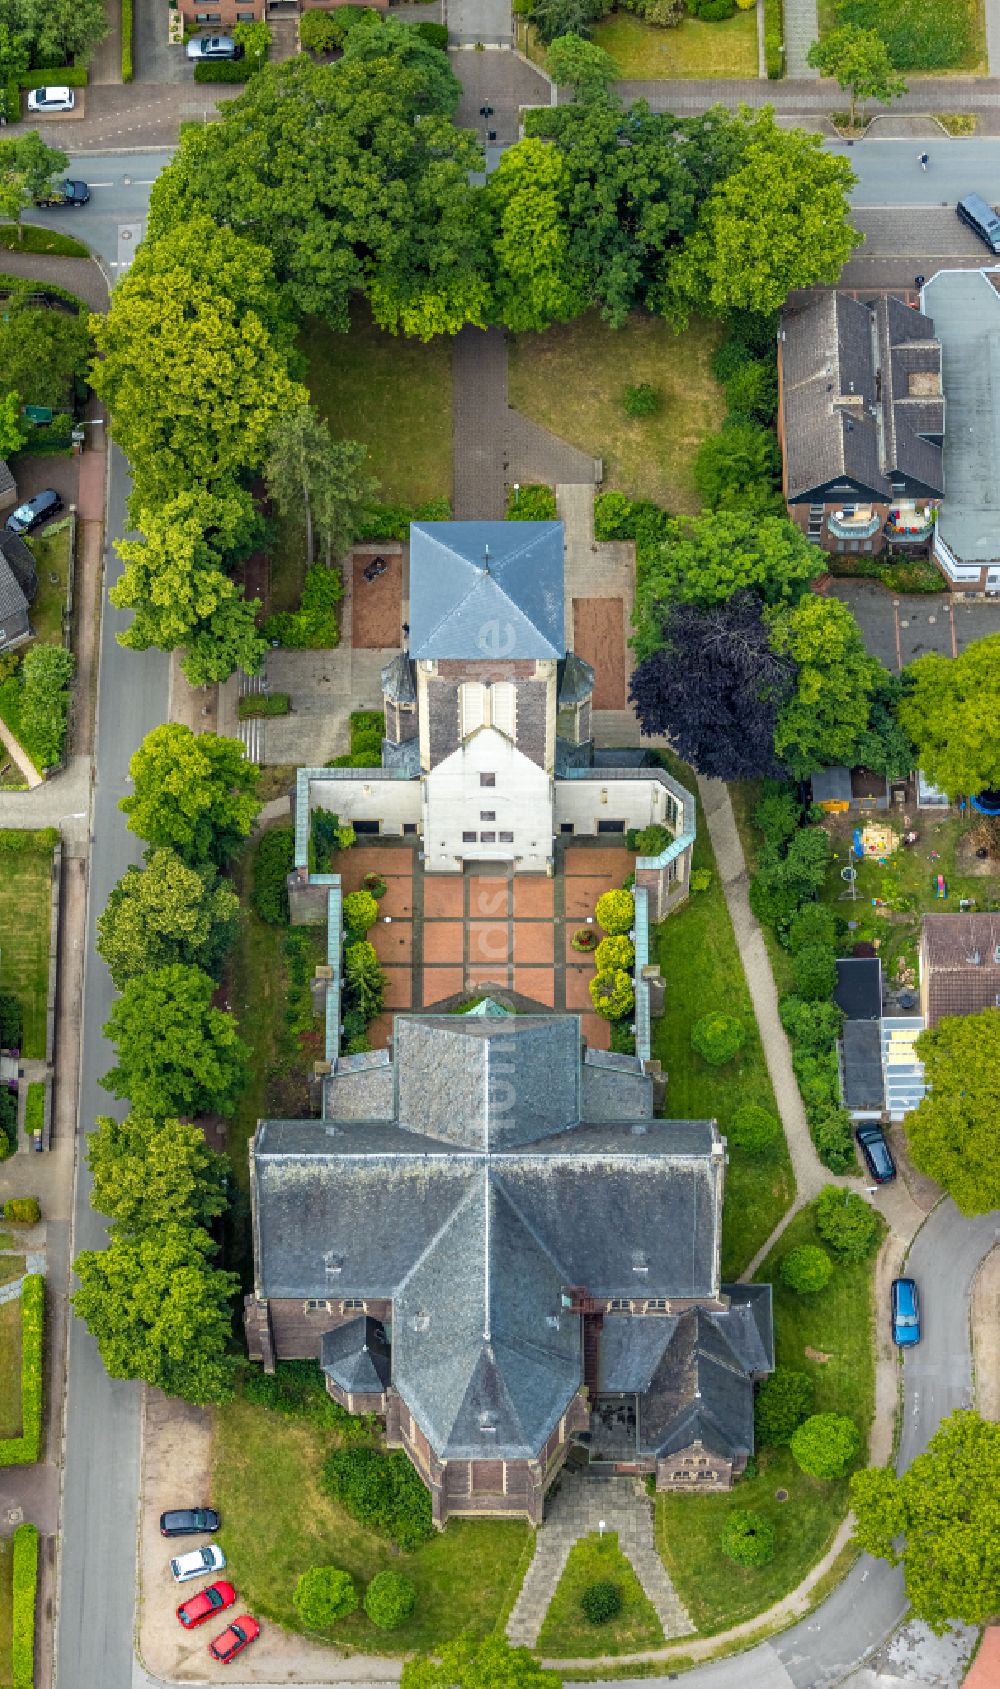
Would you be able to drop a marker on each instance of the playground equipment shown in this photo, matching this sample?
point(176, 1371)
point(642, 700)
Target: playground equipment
point(876, 840)
point(941, 889)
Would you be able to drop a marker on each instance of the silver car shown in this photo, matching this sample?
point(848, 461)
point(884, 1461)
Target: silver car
point(198, 1563)
point(213, 47)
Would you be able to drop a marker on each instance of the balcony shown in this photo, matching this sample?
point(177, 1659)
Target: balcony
point(909, 524)
point(860, 523)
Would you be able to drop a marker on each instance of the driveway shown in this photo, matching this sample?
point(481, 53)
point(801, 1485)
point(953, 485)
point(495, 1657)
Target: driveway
point(470, 21)
point(153, 60)
point(897, 629)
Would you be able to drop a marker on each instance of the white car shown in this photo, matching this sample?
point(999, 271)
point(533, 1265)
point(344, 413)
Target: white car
point(51, 99)
point(198, 1563)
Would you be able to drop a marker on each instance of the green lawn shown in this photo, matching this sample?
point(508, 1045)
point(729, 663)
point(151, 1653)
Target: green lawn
point(36, 239)
point(10, 1369)
point(392, 393)
point(51, 551)
point(647, 53)
point(25, 881)
point(568, 1634)
point(277, 1522)
point(922, 35)
point(6, 1608)
point(572, 380)
point(11, 1267)
point(700, 963)
point(837, 1325)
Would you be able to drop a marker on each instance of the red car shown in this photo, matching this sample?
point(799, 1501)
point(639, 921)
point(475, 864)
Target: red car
point(215, 1599)
point(240, 1634)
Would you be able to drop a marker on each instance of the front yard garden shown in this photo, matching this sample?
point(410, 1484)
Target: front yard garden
point(568, 1634)
point(646, 53)
point(51, 550)
point(25, 890)
point(829, 1336)
point(697, 953)
point(921, 35)
point(572, 380)
point(278, 1522)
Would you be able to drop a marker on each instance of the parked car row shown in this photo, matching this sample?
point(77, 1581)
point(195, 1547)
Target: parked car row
point(216, 1597)
point(904, 1298)
point(34, 511)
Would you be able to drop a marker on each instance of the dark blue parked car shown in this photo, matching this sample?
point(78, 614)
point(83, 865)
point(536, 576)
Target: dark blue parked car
point(905, 1312)
point(877, 1154)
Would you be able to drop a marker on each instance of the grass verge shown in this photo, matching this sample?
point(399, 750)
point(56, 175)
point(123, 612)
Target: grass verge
point(51, 551)
point(11, 1267)
point(10, 1369)
point(830, 1337)
point(6, 1607)
point(921, 35)
point(567, 1634)
point(647, 53)
point(392, 393)
point(277, 1522)
point(25, 891)
point(35, 239)
point(697, 953)
point(572, 380)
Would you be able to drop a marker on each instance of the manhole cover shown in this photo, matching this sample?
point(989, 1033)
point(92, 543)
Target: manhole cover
point(781, 1495)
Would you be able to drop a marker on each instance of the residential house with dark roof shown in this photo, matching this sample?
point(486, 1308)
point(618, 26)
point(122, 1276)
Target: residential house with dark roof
point(18, 585)
point(490, 1241)
point(959, 965)
point(861, 422)
point(488, 751)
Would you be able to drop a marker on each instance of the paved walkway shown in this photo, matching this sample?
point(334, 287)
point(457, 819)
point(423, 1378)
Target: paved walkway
point(20, 756)
point(106, 59)
point(479, 426)
point(81, 275)
point(578, 1509)
point(993, 36)
point(801, 30)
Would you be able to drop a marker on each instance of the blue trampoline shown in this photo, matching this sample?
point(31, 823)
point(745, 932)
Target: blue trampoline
point(987, 803)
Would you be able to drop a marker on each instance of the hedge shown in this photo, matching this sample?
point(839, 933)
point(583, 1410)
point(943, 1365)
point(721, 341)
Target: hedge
point(24, 1450)
point(67, 76)
point(254, 704)
point(224, 70)
point(774, 58)
point(126, 40)
point(273, 861)
point(14, 840)
point(25, 1586)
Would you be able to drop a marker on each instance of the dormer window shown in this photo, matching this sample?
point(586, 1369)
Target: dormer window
point(333, 1263)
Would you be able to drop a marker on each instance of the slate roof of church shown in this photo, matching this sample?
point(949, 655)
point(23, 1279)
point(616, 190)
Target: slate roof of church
point(486, 590)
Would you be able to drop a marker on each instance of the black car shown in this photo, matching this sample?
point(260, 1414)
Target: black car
point(188, 1521)
point(34, 511)
point(67, 192)
point(877, 1154)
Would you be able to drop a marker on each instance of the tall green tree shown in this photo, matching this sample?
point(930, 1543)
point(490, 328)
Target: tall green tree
point(175, 581)
point(13, 432)
point(195, 792)
point(354, 178)
point(944, 1509)
point(555, 18)
point(324, 480)
point(158, 1310)
point(952, 1133)
point(709, 558)
point(42, 352)
point(826, 718)
point(166, 912)
point(194, 360)
point(579, 64)
point(466, 1664)
point(150, 1173)
point(859, 60)
point(27, 166)
point(177, 1055)
point(778, 221)
point(951, 713)
point(46, 674)
point(57, 32)
point(535, 284)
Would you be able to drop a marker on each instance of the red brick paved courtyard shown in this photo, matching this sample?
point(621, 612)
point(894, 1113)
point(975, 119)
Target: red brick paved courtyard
point(440, 937)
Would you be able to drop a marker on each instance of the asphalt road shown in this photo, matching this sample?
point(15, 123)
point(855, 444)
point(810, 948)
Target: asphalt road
point(889, 173)
point(101, 1478)
point(114, 221)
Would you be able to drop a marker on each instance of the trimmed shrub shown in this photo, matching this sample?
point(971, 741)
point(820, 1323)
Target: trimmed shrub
point(313, 626)
point(615, 912)
point(806, 1269)
point(24, 1450)
point(8, 1123)
point(389, 1600)
point(815, 972)
point(360, 911)
point(22, 1210)
point(612, 995)
point(224, 70)
point(374, 884)
point(323, 1595)
point(273, 861)
point(613, 954)
point(717, 1037)
point(845, 1221)
point(267, 704)
point(382, 1491)
point(11, 1021)
point(747, 1538)
point(825, 1444)
point(700, 879)
point(25, 1578)
point(531, 503)
point(612, 517)
point(641, 400)
point(601, 1601)
point(126, 40)
point(436, 34)
point(783, 1401)
point(753, 1128)
point(649, 841)
point(585, 938)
